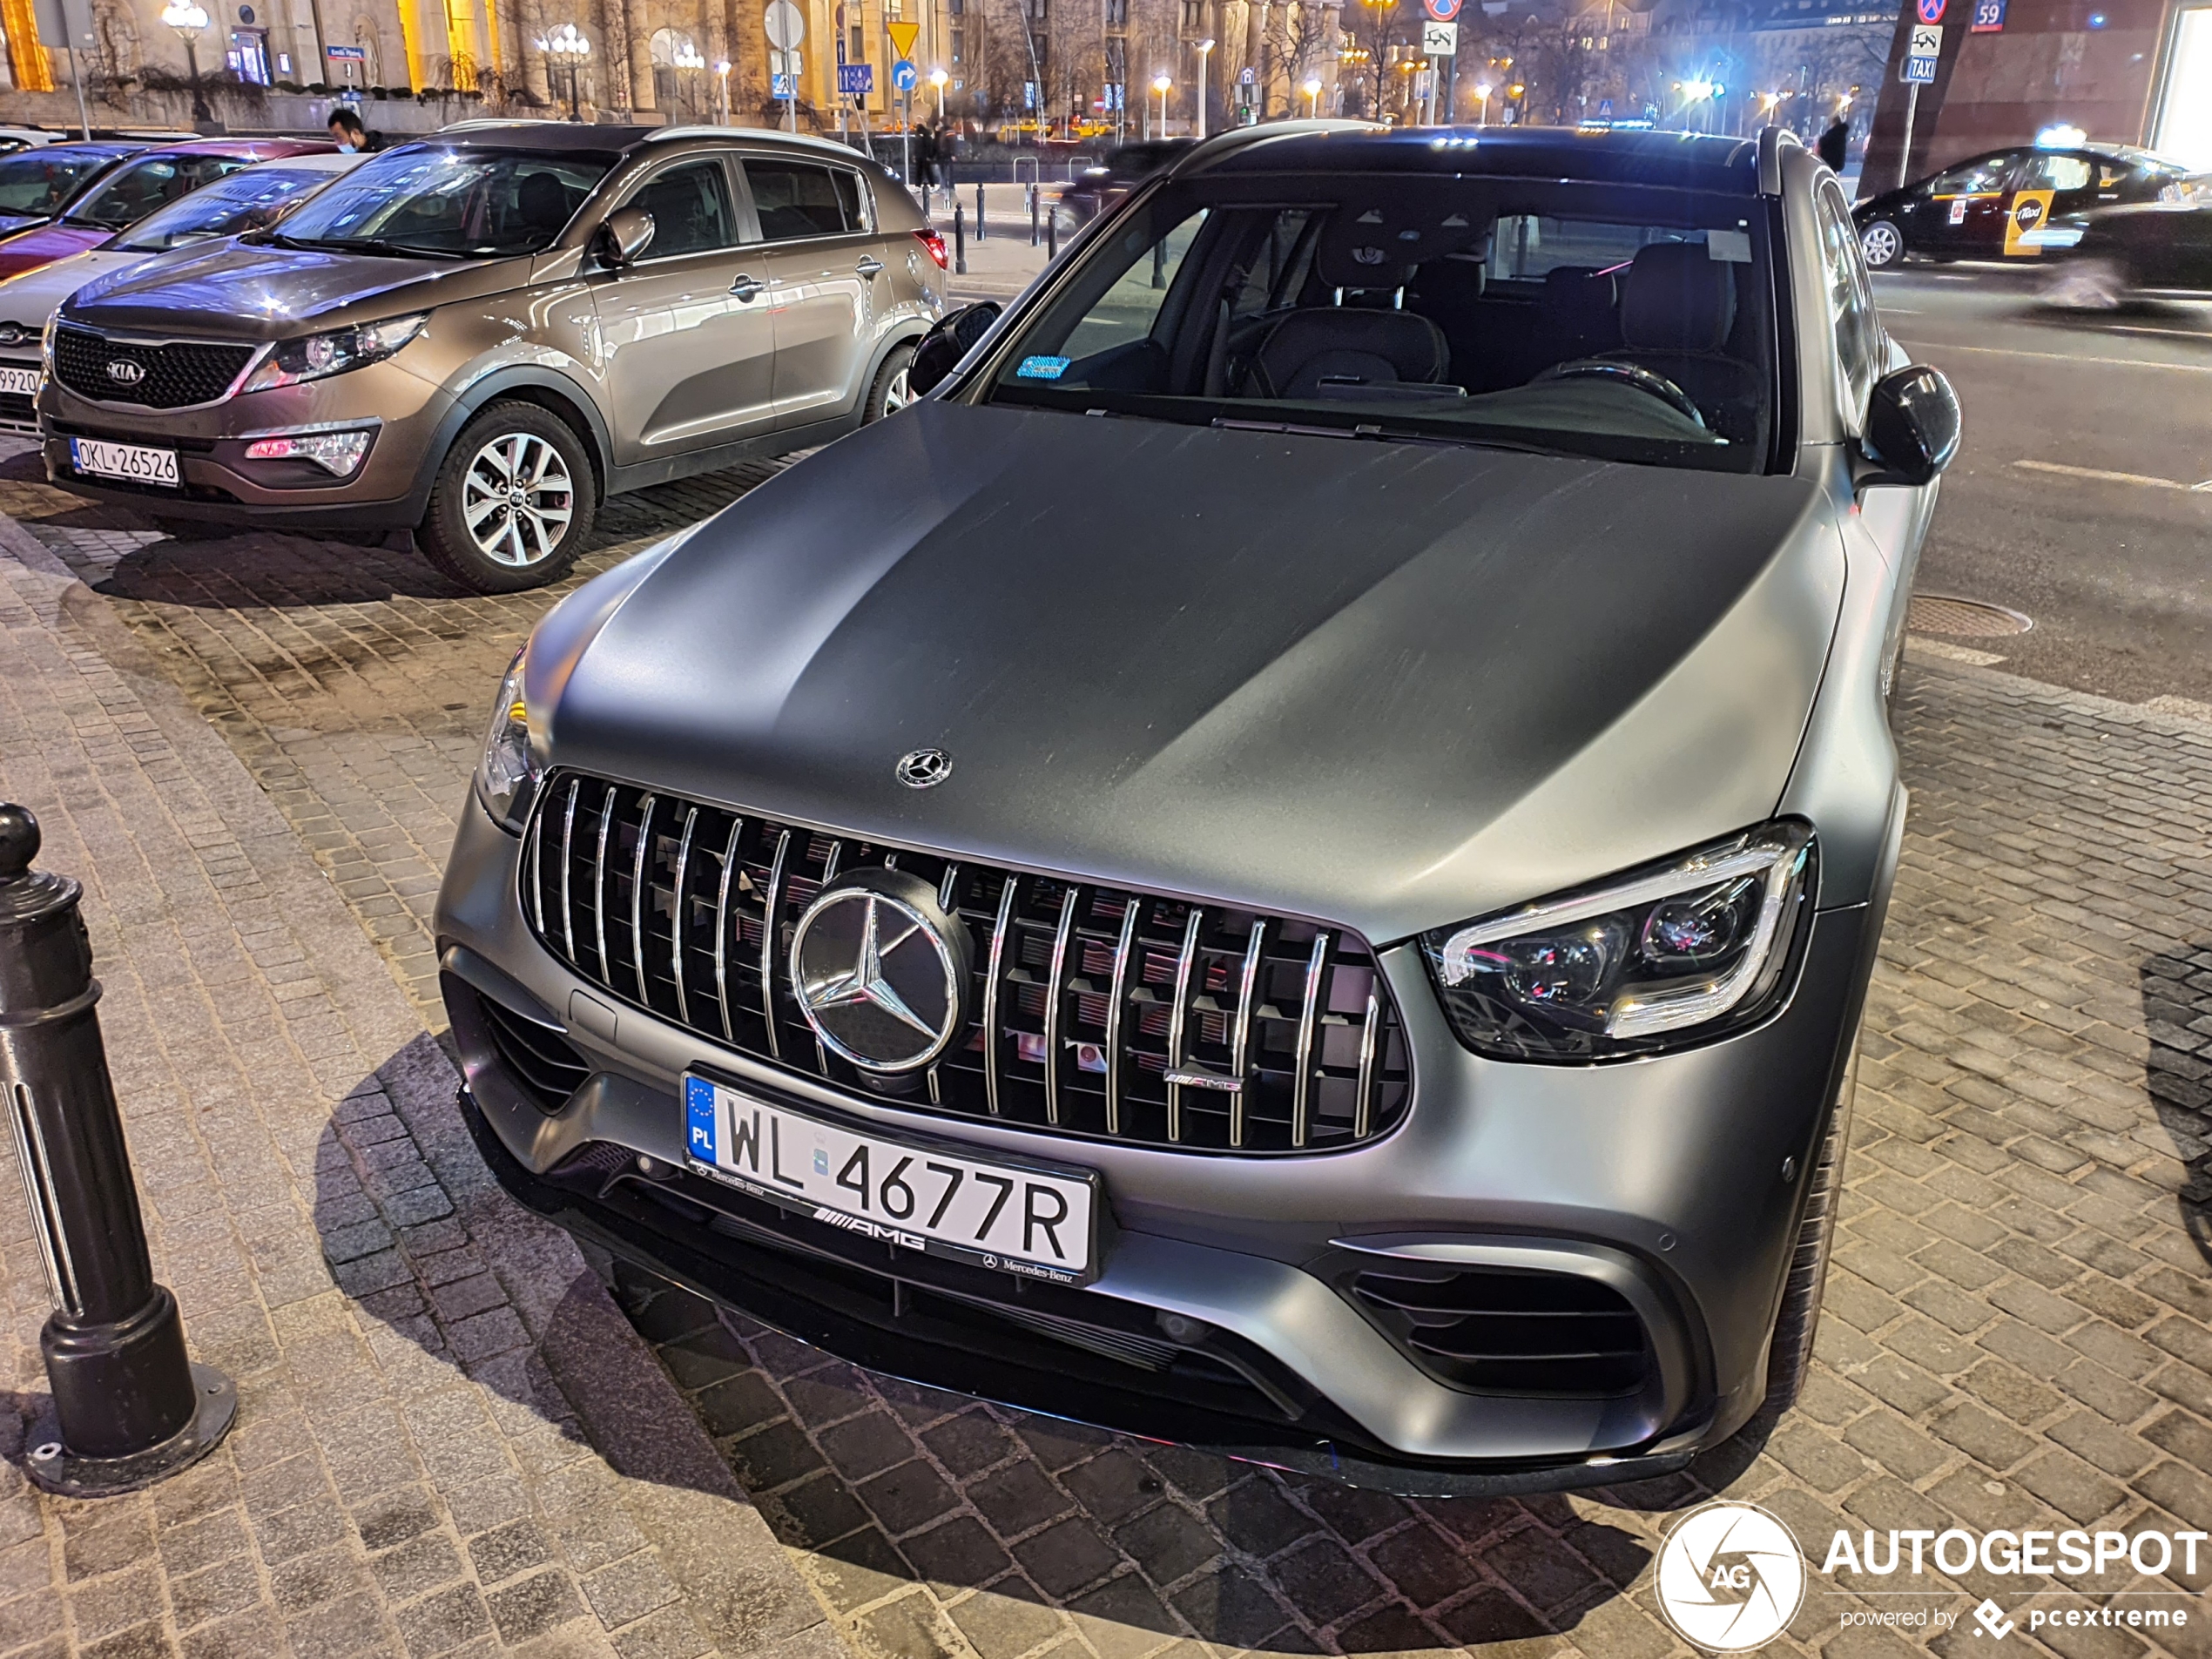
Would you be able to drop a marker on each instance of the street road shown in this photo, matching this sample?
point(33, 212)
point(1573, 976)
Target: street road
point(2082, 495)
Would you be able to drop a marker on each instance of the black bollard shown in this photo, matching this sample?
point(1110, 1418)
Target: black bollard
point(1052, 235)
point(960, 241)
point(129, 1407)
point(981, 233)
point(1033, 215)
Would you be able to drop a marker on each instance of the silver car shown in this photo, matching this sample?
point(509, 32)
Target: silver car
point(1289, 859)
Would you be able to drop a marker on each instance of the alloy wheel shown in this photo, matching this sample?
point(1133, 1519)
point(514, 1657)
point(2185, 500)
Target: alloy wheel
point(896, 396)
point(518, 499)
point(1880, 245)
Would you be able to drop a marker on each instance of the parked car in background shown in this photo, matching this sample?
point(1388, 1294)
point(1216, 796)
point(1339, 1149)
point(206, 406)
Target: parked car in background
point(13, 138)
point(248, 199)
point(149, 181)
point(1098, 188)
point(479, 335)
point(1989, 208)
point(2115, 255)
point(39, 185)
point(1362, 969)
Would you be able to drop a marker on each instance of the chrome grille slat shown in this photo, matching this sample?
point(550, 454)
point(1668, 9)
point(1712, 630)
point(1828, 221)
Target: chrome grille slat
point(1176, 1018)
point(1309, 1025)
point(679, 914)
point(1054, 995)
point(1090, 998)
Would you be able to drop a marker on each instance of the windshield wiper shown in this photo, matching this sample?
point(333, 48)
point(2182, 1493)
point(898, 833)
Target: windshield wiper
point(1384, 435)
point(369, 245)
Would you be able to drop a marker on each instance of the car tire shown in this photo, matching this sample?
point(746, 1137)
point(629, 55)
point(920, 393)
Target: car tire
point(1789, 1354)
point(887, 393)
point(1882, 244)
point(494, 536)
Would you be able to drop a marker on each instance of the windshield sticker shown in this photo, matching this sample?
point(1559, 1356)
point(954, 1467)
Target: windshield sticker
point(1731, 247)
point(1043, 368)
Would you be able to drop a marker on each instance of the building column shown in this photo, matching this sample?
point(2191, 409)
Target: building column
point(637, 25)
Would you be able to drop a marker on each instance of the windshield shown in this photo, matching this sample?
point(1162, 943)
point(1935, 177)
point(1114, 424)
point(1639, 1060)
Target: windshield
point(475, 204)
point(35, 184)
point(224, 208)
point(1632, 324)
point(138, 187)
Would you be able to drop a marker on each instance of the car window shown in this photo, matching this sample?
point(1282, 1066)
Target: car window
point(1851, 304)
point(1975, 179)
point(2056, 173)
point(795, 199)
point(434, 200)
point(140, 187)
point(254, 197)
point(692, 210)
point(33, 184)
point(1635, 325)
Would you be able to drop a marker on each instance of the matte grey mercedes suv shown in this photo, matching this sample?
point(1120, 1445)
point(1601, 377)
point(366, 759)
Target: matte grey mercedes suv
point(1289, 859)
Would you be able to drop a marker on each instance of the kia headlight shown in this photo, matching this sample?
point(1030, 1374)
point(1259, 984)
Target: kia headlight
point(507, 776)
point(313, 357)
point(1663, 957)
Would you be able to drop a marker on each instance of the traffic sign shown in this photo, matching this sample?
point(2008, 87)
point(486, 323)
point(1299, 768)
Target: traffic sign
point(790, 65)
point(904, 76)
point(786, 27)
point(1442, 11)
point(346, 54)
point(1930, 10)
point(783, 86)
point(904, 34)
point(1917, 71)
point(1989, 17)
point(1605, 109)
point(1245, 77)
point(1440, 39)
point(856, 80)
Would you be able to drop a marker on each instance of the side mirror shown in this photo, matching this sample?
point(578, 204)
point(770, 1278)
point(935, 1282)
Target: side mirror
point(943, 346)
point(627, 233)
point(1911, 426)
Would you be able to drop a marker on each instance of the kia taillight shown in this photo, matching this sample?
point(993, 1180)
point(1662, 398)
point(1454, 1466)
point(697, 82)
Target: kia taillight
point(934, 241)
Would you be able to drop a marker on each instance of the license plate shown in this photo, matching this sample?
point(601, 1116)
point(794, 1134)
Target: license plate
point(20, 383)
point(134, 462)
point(1016, 1217)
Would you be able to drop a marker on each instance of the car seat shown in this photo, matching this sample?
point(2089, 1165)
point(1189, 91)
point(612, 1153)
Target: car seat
point(1677, 311)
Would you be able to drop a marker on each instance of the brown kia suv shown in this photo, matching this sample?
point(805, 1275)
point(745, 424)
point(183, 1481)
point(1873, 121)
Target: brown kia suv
point(480, 335)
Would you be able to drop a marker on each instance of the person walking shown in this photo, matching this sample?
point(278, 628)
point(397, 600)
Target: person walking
point(1835, 144)
point(926, 157)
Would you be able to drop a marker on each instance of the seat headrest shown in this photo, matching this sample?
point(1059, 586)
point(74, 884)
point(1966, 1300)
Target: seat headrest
point(1307, 347)
point(1581, 299)
point(544, 200)
point(1378, 245)
point(1678, 298)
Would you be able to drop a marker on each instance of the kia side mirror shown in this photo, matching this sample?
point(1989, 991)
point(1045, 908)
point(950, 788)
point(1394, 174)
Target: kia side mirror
point(943, 346)
point(1911, 427)
point(625, 236)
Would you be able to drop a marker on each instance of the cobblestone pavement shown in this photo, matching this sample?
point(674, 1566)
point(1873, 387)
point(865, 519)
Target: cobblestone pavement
point(2018, 1331)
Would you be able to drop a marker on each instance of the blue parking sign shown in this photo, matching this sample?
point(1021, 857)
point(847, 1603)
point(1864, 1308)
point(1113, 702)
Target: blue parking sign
point(856, 79)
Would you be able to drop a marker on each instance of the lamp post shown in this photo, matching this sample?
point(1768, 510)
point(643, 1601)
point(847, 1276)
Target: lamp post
point(568, 46)
point(1312, 90)
point(188, 19)
point(1206, 51)
point(722, 93)
point(688, 61)
point(1163, 85)
point(937, 78)
point(1482, 104)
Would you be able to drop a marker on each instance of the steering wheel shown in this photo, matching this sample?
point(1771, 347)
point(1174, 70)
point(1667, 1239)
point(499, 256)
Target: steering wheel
point(1643, 380)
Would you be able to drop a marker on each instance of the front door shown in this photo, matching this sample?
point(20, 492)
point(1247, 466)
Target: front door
point(2051, 183)
point(687, 333)
point(824, 266)
point(1967, 211)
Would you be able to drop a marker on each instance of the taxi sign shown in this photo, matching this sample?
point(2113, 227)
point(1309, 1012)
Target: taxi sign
point(1917, 71)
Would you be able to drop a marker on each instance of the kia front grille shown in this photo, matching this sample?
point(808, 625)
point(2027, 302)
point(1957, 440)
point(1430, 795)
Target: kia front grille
point(1099, 1011)
point(174, 375)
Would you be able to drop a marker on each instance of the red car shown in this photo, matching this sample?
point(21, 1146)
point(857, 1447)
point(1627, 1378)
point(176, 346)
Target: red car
point(152, 178)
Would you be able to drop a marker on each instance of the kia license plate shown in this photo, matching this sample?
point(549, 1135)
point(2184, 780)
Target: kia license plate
point(19, 382)
point(135, 464)
point(1015, 1216)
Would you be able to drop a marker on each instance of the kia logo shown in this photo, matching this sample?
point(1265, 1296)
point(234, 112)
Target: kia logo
point(123, 372)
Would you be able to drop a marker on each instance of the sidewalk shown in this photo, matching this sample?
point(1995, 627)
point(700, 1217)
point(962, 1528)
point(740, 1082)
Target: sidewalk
point(448, 1438)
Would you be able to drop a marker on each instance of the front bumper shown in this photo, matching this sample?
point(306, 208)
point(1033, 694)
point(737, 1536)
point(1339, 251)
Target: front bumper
point(388, 491)
point(1672, 1181)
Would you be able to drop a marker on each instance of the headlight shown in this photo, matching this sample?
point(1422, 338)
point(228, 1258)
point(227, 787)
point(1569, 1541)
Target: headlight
point(507, 775)
point(1659, 958)
point(318, 355)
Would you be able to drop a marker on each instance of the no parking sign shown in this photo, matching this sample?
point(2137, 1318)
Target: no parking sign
point(1930, 10)
point(1442, 11)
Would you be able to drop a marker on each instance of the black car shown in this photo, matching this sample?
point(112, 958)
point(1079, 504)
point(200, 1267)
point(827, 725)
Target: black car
point(1991, 207)
point(2144, 247)
point(1100, 187)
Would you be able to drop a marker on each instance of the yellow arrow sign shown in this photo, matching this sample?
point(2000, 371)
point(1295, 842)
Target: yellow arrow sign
point(902, 36)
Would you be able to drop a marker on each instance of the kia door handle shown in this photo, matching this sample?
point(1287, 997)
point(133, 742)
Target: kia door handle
point(745, 286)
point(868, 268)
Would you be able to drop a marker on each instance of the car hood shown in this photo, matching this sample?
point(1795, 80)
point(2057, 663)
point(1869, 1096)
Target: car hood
point(1389, 685)
point(259, 291)
point(47, 243)
point(29, 299)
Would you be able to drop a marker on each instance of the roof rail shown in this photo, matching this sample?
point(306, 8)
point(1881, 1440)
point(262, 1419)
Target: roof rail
point(806, 140)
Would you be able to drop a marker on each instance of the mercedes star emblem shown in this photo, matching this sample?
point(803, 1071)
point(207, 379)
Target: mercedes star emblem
point(923, 768)
point(881, 972)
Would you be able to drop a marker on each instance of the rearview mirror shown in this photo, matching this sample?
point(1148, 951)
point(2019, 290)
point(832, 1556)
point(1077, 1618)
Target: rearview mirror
point(943, 346)
point(1911, 426)
point(627, 233)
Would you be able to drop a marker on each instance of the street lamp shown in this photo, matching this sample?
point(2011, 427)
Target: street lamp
point(567, 46)
point(937, 78)
point(1206, 51)
point(689, 60)
point(188, 19)
point(1312, 90)
point(1162, 83)
point(1482, 104)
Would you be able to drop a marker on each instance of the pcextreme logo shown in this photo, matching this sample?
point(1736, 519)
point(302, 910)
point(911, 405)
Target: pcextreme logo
point(1731, 1576)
